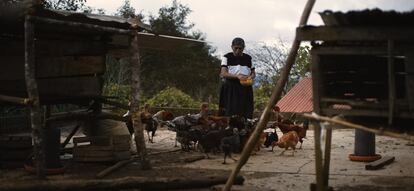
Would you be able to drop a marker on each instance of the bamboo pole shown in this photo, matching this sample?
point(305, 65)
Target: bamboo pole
point(277, 91)
point(136, 119)
point(17, 100)
point(361, 127)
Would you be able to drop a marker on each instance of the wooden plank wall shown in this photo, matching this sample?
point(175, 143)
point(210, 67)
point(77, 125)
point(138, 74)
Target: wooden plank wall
point(64, 68)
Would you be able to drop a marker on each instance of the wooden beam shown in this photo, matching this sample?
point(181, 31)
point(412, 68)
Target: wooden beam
point(17, 100)
point(52, 66)
point(378, 164)
point(365, 113)
point(391, 82)
point(355, 33)
point(409, 68)
point(357, 126)
point(54, 47)
point(57, 87)
point(33, 93)
point(95, 28)
point(143, 183)
point(87, 116)
point(276, 93)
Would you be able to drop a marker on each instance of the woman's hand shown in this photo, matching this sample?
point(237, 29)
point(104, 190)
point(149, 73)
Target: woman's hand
point(242, 77)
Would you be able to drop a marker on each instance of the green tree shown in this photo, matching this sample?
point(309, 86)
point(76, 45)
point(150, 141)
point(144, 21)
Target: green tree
point(269, 60)
point(172, 20)
point(68, 5)
point(173, 97)
point(191, 69)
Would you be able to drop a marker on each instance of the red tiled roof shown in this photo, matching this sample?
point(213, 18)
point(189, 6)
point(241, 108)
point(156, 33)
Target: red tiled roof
point(299, 98)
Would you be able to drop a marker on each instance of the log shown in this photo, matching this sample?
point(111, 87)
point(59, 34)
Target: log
point(143, 183)
point(194, 158)
point(277, 92)
point(375, 165)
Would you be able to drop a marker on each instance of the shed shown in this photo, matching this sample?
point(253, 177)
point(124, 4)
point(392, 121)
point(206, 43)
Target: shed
point(362, 69)
point(56, 57)
point(299, 98)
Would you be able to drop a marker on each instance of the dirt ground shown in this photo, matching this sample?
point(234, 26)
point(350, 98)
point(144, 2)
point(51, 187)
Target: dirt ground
point(264, 171)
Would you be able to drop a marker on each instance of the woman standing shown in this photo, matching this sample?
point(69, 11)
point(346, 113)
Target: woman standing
point(237, 72)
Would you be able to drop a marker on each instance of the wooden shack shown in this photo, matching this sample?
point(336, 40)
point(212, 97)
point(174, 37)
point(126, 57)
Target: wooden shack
point(363, 64)
point(52, 57)
point(363, 70)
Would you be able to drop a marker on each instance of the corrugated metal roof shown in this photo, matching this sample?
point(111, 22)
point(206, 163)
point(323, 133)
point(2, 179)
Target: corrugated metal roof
point(373, 17)
point(299, 98)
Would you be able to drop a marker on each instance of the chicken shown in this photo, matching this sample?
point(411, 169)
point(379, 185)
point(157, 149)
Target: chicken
point(287, 126)
point(211, 140)
point(288, 140)
point(218, 122)
point(163, 115)
point(271, 137)
point(229, 144)
point(150, 125)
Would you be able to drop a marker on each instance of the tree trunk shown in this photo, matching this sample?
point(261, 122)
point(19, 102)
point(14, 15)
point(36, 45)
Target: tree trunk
point(135, 88)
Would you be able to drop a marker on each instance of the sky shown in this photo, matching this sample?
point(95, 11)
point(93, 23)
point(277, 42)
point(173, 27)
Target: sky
point(255, 21)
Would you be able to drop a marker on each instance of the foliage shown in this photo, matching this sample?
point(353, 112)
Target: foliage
point(121, 92)
point(68, 5)
point(127, 11)
point(172, 20)
point(269, 60)
point(191, 69)
point(173, 97)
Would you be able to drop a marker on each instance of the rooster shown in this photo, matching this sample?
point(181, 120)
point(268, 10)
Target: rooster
point(288, 140)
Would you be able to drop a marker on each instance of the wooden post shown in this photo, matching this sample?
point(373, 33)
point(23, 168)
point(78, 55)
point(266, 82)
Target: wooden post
point(135, 88)
point(327, 157)
point(318, 157)
point(391, 82)
point(33, 93)
point(277, 92)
